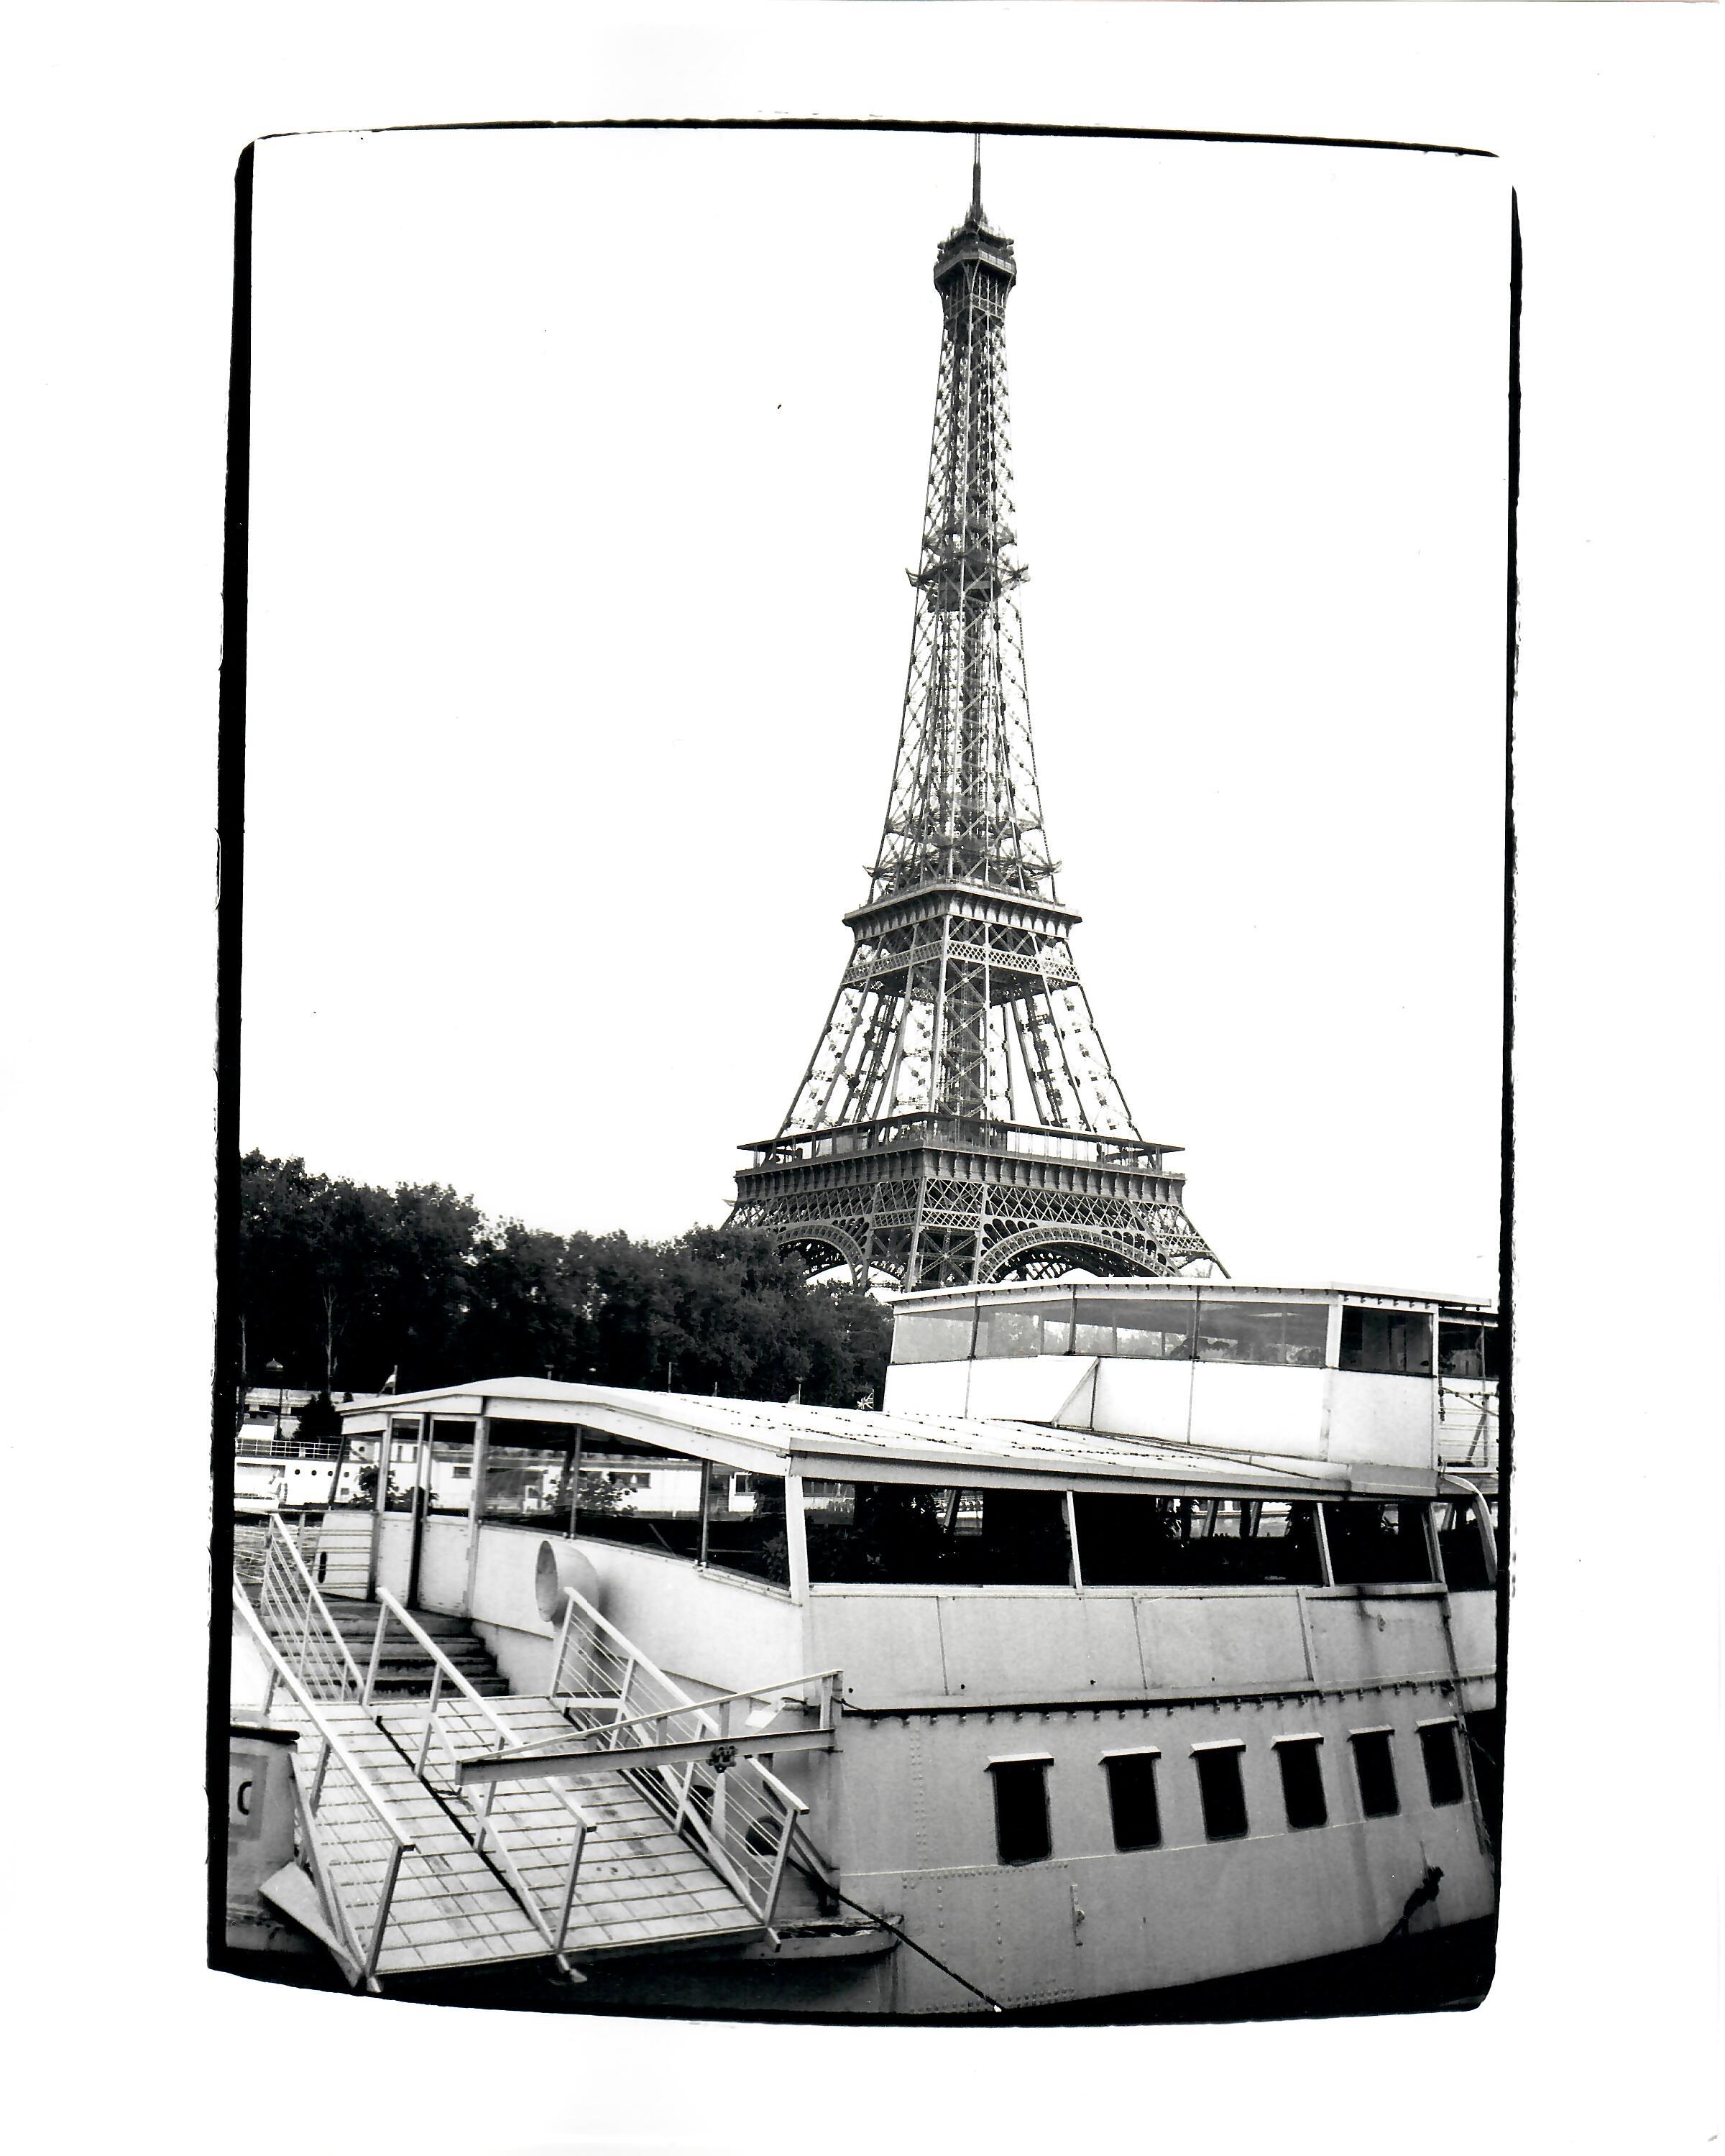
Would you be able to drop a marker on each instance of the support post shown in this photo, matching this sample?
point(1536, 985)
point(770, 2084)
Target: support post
point(1323, 1546)
point(796, 1540)
point(476, 1503)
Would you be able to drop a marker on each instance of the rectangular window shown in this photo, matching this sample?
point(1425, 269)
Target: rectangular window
point(1156, 1329)
point(746, 1525)
point(1375, 1768)
point(451, 1462)
point(1379, 1545)
point(1221, 1792)
point(1132, 1799)
point(1302, 1781)
point(1442, 1768)
point(933, 1335)
point(1483, 1735)
point(1009, 1329)
point(1461, 1546)
point(1021, 1829)
point(1125, 1541)
point(357, 1485)
point(1057, 1326)
point(1288, 1335)
point(1467, 1350)
point(526, 1482)
point(1389, 1342)
point(903, 1534)
point(614, 1504)
point(404, 1455)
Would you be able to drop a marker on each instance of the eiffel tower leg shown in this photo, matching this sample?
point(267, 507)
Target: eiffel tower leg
point(869, 1239)
point(913, 1263)
point(982, 1239)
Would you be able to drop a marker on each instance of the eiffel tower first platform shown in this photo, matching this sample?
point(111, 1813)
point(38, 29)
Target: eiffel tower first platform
point(959, 1120)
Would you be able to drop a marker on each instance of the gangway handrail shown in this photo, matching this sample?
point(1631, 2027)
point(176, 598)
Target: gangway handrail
point(364, 1956)
point(724, 1699)
point(445, 1667)
point(554, 1933)
point(741, 1815)
point(276, 1534)
point(308, 1707)
point(572, 1599)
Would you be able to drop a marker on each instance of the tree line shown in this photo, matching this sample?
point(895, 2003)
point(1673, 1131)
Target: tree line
point(346, 1287)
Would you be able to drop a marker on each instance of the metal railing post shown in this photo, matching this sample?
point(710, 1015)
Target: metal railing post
point(563, 1648)
point(575, 1856)
point(629, 1678)
point(437, 1684)
point(375, 1946)
point(365, 1697)
point(323, 1761)
point(778, 1864)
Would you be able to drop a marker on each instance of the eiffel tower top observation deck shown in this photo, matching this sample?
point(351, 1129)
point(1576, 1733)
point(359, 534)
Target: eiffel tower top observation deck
point(959, 1120)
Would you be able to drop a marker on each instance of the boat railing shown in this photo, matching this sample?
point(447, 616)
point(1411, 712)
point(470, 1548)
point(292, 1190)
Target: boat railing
point(357, 1896)
point(1467, 1426)
point(447, 1727)
point(733, 1808)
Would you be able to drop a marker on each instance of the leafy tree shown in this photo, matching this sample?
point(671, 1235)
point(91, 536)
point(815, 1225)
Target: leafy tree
point(343, 1283)
point(318, 1419)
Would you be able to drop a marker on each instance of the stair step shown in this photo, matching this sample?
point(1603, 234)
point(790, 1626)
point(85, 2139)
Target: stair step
point(405, 1669)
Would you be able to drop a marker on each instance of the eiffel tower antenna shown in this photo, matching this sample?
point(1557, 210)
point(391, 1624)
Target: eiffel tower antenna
point(959, 1120)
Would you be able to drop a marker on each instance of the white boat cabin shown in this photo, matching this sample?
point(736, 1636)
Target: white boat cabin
point(1040, 1446)
point(1331, 1373)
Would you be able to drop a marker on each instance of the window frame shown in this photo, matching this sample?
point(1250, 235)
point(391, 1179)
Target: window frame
point(1309, 1741)
point(1233, 1747)
point(1386, 1730)
point(1424, 1731)
point(1040, 1762)
point(1353, 1307)
point(1107, 1761)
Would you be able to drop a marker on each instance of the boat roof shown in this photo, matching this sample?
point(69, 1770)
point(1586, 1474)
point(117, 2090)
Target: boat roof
point(843, 1444)
point(1174, 1284)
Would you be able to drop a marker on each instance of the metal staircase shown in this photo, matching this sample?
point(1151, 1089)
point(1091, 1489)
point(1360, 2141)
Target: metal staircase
point(609, 1814)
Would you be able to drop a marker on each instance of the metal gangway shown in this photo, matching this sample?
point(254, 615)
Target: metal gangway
point(610, 1814)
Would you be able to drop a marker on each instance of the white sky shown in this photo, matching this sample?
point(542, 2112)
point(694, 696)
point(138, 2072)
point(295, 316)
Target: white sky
point(586, 467)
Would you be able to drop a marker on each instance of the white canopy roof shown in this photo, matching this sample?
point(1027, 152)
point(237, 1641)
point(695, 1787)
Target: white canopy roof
point(851, 1443)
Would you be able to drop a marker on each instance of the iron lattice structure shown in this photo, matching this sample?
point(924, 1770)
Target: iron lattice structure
point(959, 1120)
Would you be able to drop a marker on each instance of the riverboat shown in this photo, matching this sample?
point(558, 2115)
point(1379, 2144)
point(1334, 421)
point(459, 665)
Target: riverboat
point(1145, 1638)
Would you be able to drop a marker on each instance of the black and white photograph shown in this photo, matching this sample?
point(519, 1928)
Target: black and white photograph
point(1016, 1529)
point(866, 877)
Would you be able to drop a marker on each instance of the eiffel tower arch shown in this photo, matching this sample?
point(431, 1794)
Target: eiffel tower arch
point(959, 1120)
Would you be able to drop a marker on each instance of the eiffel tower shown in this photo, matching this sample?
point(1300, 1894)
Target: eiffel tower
point(959, 1120)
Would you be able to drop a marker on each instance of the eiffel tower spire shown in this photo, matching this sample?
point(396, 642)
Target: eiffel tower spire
point(959, 1120)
